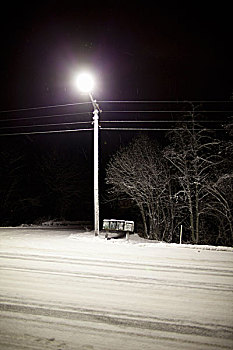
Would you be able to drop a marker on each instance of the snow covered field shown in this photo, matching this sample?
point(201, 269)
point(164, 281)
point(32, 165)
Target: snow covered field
point(64, 289)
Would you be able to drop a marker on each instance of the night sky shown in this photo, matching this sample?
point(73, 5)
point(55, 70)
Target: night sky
point(139, 51)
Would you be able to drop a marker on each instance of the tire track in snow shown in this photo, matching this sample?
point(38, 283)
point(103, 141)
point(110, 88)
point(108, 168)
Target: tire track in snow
point(124, 264)
point(127, 279)
point(119, 271)
point(129, 322)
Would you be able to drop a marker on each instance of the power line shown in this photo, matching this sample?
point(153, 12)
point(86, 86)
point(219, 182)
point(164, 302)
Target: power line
point(88, 113)
point(153, 129)
point(45, 107)
point(108, 121)
point(45, 116)
point(116, 101)
point(46, 132)
point(42, 125)
point(84, 113)
point(160, 121)
point(170, 111)
point(141, 129)
point(91, 129)
point(165, 101)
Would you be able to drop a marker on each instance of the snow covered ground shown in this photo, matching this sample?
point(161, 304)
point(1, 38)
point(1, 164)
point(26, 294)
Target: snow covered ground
point(67, 289)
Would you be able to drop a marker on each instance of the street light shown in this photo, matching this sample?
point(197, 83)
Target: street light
point(85, 83)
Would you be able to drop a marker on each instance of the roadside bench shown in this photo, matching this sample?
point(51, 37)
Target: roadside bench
point(122, 228)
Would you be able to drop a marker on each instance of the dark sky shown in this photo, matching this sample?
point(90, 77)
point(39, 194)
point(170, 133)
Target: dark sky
point(139, 51)
point(136, 51)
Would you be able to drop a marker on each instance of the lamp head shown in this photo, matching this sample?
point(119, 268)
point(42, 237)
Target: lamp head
point(85, 82)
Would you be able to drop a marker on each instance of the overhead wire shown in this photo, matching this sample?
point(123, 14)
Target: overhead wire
point(167, 101)
point(106, 122)
point(31, 118)
point(160, 121)
point(122, 111)
point(44, 107)
point(45, 116)
point(42, 125)
point(101, 128)
point(153, 129)
point(116, 101)
point(46, 132)
point(109, 121)
point(170, 111)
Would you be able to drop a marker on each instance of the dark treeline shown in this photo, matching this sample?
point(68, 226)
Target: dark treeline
point(41, 183)
point(188, 183)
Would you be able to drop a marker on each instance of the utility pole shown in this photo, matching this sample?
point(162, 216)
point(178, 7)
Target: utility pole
point(96, 163)
point(85, 83)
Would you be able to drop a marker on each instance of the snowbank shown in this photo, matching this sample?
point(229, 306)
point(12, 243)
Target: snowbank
point(85, 236)
point(141, 242)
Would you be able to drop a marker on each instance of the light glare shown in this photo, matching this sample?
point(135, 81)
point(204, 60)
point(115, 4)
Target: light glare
point(85, 82)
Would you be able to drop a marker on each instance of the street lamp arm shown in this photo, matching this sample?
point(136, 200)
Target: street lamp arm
point(94, 103)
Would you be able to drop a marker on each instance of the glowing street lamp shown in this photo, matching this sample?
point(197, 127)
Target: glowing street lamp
point(85, 83)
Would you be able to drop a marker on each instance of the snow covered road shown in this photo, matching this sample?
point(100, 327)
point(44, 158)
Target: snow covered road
point(66, 290)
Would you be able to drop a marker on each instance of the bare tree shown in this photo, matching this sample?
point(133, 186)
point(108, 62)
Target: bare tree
point(221, 191)
point(194, 154)
point(137, 172)
point(189, 182)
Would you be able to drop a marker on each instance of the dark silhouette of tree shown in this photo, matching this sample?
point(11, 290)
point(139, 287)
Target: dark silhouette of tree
point(221, 192)
point(196, 158)
point(189, 182)
point(66, 194)
point(136, 172)
point(11, 163)
point(19, 200)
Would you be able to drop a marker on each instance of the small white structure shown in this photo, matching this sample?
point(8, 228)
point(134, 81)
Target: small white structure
point(121, 227)
point(118, 225)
